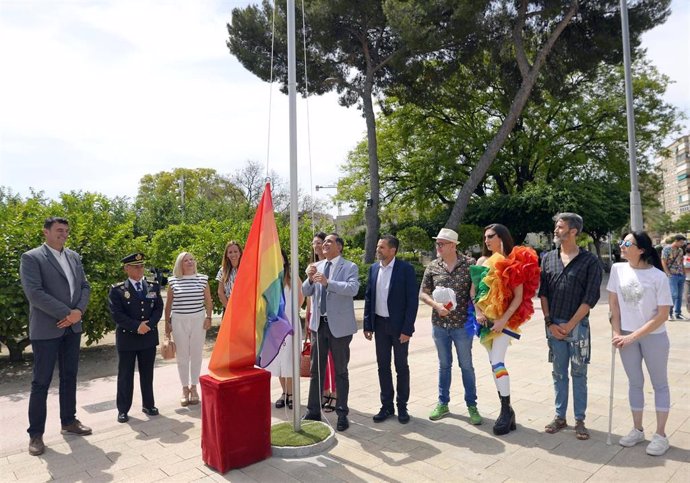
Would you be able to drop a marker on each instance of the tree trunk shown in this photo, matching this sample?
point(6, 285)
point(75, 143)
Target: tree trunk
point(480, 170)
point(371, 212)
point(529, 78)
point(16, 348)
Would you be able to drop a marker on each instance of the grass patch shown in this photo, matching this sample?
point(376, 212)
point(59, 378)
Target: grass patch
point(310, 433)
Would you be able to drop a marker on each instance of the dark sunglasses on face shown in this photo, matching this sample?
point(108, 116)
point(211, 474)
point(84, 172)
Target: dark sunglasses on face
point(626, 243)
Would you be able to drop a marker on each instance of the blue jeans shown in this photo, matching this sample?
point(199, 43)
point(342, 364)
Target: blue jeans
point(573, 350)
point(677, 281)
point(444, 340)
point(65, 350)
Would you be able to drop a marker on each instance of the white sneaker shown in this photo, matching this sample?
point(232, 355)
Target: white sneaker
point(634, 436)
point(658, 446)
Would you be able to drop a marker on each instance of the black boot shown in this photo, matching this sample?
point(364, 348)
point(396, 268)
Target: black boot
point(506, 420)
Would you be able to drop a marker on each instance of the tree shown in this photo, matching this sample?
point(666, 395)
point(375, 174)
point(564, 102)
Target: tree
point(414, 238)
point(350, 48)
point(426, 151)
point(251, 180)
point(184, 195)
point(94, 234)
point(532, 46)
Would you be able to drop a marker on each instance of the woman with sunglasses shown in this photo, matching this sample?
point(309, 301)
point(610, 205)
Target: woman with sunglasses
point(640, 301)
point(504, 280)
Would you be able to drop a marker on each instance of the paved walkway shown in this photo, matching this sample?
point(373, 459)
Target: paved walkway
point(167, 447)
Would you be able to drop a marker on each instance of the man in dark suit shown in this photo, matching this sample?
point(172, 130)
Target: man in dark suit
point(136, 306)
point(332, 283)
point(55, 284)
point(390, 310)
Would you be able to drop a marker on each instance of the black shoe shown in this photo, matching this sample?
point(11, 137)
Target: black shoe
point(343, 423)
point(382, 415)
point(122, 418)
point(36, 446)
point(403, 416)
point(280, 402)
point(311, 417)
point(506, 420)
point(152, 411)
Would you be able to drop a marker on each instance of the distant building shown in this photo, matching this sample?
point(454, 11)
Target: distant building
point(674, 164)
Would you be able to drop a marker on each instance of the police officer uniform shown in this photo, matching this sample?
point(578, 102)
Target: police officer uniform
point(129, 308)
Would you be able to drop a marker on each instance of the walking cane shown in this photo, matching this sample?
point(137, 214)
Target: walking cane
point(613, 370)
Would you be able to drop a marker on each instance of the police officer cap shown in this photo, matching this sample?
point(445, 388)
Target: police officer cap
point(133, 259)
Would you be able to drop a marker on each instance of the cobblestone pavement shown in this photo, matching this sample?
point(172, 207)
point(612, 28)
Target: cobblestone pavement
point(167, 447)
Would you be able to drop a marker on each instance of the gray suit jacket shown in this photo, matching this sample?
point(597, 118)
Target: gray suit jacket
point(343, 285)
point(45, 285)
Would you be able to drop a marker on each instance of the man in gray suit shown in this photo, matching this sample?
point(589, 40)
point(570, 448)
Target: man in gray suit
point(332, 282)
point(55, 284)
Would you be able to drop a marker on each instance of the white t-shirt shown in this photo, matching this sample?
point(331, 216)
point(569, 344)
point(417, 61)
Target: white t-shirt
point(640, 293)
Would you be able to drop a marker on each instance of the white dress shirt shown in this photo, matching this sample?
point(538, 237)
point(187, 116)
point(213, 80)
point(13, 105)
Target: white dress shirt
point(383, 285)
point(64, 264)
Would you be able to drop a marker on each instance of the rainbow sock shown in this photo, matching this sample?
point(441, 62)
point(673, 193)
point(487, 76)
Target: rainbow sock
point(499, 370)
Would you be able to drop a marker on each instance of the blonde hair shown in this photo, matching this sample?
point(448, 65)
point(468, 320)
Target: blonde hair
point(177, 270)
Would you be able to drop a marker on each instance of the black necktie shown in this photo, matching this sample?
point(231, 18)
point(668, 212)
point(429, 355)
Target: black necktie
point(138, 287)
point(326, 272)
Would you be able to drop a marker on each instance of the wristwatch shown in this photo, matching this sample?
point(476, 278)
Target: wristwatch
point(547, 320)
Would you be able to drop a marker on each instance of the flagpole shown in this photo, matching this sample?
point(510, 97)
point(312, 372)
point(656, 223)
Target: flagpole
point(294, 250)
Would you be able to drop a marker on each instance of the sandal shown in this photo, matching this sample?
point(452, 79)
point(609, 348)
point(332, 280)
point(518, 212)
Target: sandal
point(556, 425)
point(328, 406)
point(184, 400)
point(288, 400)
point(280, 402)
point(581, 432)
point(193, 396)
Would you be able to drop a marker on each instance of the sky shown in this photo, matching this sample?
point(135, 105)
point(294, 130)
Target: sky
point(95, 94)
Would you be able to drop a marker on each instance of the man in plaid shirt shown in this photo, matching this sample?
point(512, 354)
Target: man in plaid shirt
point(570, 287)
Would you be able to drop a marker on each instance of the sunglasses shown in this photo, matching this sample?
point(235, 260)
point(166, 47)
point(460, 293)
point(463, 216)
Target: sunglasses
point(441, 245)
point(489, 236)
point(626, 243)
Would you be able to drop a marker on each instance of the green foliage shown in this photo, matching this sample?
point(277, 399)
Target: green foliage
point(20, 230)
point(681, 225)
point(470, 236)
point(100, 231)
point(185, 196)
point(356, 255)
point(414, 238)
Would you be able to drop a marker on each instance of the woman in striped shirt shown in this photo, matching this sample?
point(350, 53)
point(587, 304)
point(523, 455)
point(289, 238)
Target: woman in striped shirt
point(188, 299)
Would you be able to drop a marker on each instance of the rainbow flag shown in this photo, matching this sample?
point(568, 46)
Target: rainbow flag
point(254, 325)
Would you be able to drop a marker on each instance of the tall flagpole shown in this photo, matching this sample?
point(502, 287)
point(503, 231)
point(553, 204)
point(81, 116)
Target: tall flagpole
point(635, 202)
point(294, 253)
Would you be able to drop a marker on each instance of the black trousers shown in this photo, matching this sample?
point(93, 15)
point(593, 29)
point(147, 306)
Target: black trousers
point(340, 348)
point(387, 341)
point(125, 377)
point(64, 350)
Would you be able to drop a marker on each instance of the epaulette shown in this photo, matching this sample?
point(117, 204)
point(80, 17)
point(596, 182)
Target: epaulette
point(119, 284)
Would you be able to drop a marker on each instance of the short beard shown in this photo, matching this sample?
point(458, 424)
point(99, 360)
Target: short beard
point(557, 241)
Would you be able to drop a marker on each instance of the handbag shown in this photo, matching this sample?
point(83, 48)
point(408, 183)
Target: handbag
point(305, 359)
point(168, 349)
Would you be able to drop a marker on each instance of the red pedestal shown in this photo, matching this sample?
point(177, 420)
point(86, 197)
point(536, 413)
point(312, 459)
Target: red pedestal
point(236, 420)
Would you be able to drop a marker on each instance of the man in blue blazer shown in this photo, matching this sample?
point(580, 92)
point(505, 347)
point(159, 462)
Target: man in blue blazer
point(390, 310)
point(55, 284)
point(332, 284)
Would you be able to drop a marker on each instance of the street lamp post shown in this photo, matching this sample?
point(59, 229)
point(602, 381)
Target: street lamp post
point(635, 202)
